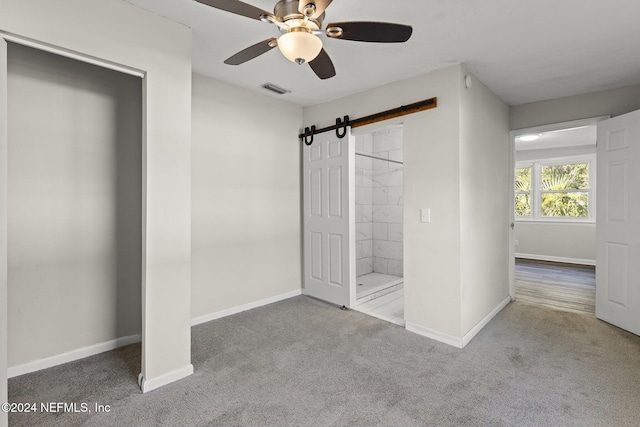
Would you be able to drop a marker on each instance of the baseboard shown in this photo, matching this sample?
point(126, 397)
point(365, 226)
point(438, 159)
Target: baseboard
point(557, 259)
point(434, 335)
point(244, 307)
point(147, 385)
point(453, 340)
point(71, 356)
point(474, 331)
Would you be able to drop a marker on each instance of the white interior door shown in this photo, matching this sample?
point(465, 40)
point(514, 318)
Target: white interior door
point(618, 216)
point(329, 205)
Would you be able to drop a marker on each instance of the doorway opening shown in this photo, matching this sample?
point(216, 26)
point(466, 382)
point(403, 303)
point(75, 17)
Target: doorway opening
point(553, 193)
point(379, 198)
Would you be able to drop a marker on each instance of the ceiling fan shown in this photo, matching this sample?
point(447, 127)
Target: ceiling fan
point(300, 22)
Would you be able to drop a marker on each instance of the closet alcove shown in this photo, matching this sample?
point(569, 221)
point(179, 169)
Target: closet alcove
point(74, 209)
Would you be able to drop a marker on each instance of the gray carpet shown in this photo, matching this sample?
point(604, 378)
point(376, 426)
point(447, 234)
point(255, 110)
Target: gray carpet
point(302, 362)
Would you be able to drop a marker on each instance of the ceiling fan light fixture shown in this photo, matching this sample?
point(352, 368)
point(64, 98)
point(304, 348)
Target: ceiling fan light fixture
point(300, 45)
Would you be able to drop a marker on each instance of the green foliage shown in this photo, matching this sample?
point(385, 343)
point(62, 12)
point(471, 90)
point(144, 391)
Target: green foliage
point(523, 205)
point(557, 201)
point(523, 184)
point(563, 191)
point(566, 177)
point(565, 204)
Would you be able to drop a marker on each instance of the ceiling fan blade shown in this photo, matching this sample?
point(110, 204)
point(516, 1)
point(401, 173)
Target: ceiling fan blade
point(252, 52)
point(379, 32)
point(237, 7)
point(320, 5)
point(323, 66)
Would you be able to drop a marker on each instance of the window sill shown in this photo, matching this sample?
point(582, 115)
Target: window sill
point(556, 222)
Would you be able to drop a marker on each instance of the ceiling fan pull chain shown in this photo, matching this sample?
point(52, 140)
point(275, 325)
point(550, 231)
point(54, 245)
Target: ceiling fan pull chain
point(308, 133)
point(342, 125)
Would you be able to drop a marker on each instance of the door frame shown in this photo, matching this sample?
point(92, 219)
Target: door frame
point(9, 37)
point(4, 397)
point(512, 165)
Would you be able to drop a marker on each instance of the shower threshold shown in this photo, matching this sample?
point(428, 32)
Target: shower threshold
point(374, 285)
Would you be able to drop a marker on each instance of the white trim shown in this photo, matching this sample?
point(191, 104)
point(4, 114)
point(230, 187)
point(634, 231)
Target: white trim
point(71, 356)
point(557, 126)
point(152, 384)
point(453, 340)
point(4, 397)
point(563, 260)
point(481, 324)
point(78, 56)
point(434, 335)
point(572, 222)
point(239, 309)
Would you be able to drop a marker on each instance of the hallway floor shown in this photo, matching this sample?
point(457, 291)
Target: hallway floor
point(565, 287)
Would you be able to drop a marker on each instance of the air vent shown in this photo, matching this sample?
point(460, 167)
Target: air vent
point(275, 88)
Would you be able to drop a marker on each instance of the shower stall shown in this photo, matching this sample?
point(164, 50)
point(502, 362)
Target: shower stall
point(378, 213)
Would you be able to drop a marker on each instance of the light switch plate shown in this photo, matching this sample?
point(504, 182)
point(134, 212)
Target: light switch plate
point(425, 214)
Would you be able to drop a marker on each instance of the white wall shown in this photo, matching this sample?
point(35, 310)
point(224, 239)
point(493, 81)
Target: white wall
point(484, 202)
point(118, 32)
point(245, 197)
point(613, 102)
point(432, 173)
point(74, 206)
point(573, 243)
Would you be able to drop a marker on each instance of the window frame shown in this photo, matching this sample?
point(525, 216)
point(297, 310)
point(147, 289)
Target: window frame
point(536, 192)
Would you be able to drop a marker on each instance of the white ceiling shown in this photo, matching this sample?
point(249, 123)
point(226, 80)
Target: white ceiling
point(524, 50)
point(571, 137)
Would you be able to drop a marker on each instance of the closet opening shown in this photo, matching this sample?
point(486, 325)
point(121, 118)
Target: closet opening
point(74, 210)
point(379, 198)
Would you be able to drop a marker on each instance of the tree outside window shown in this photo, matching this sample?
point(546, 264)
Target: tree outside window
point(546, 190)
point(565, 191)
point(523, 192)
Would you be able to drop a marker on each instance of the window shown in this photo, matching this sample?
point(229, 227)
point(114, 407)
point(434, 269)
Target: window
point(555, 190)
point(523, 192)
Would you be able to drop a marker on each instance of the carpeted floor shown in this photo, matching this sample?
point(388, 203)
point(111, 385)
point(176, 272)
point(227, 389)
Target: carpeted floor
point(302, 362)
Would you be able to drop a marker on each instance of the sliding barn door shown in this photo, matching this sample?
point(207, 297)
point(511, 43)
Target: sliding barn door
point(618, 216)
point(329, 237)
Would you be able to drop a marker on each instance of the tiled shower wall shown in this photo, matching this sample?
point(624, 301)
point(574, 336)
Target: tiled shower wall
point(379, 200)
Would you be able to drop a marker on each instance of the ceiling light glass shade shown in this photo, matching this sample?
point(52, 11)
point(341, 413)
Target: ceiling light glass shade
point(300, 46)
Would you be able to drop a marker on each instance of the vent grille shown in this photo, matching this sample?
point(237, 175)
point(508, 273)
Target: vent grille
point(275, 88)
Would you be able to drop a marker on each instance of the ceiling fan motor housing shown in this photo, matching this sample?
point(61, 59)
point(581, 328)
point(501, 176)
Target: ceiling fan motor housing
point(289, 9)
